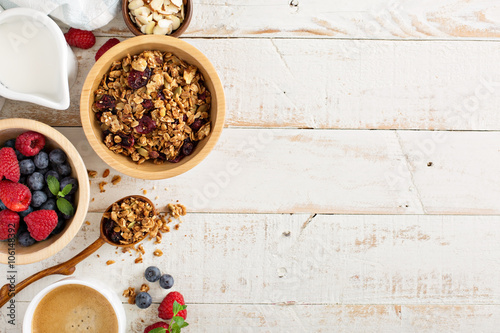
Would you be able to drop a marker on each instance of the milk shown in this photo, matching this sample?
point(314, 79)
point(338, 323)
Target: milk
point(29, 59)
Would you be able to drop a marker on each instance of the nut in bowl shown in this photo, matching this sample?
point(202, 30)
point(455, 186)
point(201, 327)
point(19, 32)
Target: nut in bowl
point(158, 17)
point(152, 107)
point(36, 216)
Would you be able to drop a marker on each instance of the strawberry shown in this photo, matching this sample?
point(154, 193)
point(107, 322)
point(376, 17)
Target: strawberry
point(161, 324)
point(9, 224)
point(105, 47)
point(9, 166)
point(166, 308)
point(15, 196)
point(30, 143)
point(83, 39)
point(41, 223)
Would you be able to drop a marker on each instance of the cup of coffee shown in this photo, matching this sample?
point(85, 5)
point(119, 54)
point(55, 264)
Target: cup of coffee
point(75, 305)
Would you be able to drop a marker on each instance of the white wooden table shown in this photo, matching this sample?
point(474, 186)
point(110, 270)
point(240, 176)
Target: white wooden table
point(355, 187)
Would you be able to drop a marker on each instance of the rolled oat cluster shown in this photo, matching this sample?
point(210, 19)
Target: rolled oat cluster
point(153, 106)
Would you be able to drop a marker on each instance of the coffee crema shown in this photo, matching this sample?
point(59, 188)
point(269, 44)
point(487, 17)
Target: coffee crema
point(74, 308)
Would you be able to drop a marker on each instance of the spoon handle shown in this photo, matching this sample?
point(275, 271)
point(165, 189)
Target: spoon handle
point(65, 268)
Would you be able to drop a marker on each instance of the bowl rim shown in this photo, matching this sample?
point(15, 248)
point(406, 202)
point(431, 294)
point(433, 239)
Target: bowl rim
point(83, 189)
point(179, 31)
point(149, 42)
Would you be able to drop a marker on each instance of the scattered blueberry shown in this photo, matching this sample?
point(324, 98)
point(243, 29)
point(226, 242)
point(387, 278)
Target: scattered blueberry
point(26, 212)
point(38, 198)
point(20, 156)
point(10, 143)
point(152, 274)
point(43, 171)
point(166, 281)
point(143, 300)
point(41, 160)
point(69, 180)
point(57, 156)
point(36, 181)
point(52, 173)
point(27, 167)
point(2, 206)
point(25, 239)
point(63, 169)
point(50, 204)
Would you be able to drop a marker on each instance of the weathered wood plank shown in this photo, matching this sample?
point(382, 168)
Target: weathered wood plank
point(337, 84)
point(399, 19)
point(321, 171)
point(426, 273)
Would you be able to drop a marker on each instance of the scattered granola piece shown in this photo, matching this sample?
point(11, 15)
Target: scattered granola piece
point(140, 248)
point(158, 253)
point(101, 186)
point(157, 197)
point(145, 192)
point(92, 173)
point(110, 262)
point(92, 200)
point(98, 256)
point(176, 210)
point(105, 173)
point(130, 294)
point(116, 179)
point(87, 222)
point(176, 227)
point(138, 260)
point(144, 287)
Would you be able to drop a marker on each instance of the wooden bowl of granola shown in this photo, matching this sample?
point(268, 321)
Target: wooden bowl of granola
point(176, 22)
point(152, 107)
point(11, 128)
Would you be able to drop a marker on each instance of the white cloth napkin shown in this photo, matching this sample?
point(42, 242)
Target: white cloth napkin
point(80, 14)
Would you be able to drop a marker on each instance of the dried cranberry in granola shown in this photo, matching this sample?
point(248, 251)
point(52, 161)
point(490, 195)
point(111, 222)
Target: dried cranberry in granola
point(153, 106)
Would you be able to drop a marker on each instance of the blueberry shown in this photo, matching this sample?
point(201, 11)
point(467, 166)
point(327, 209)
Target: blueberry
point(10, 143)
point(52, 173)
point(63, 169)
point(2, 206)
point(61, 223)
point(22, 228)
point(166, 281)
point(27, 167)
point(41, 160)
point(50, 204)
point(57, 156)
point(26, 212)
point(20, 156)
point(38, 198)
point(47, 191)
point(25, 239)
point(36, 181)
point(152, 274)
point(69, 180)
point(22, 180)
point(143, 300)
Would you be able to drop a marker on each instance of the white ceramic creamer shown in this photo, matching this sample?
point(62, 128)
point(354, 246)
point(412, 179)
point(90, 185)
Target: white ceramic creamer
point(36, 64)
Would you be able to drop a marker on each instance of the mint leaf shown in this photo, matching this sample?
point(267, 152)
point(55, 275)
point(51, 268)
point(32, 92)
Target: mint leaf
point(176, 308)
point(53, 184)
point(65, 207)
point(158, 330)
point(65, 191)
point(178, 320)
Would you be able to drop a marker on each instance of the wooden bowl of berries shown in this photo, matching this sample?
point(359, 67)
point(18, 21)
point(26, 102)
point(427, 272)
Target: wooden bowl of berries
point(152, 107)
point(44, 191)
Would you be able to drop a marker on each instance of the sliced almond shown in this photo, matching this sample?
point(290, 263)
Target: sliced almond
point(157, 16)
point(156, 4)
point(176, 22)
point(149, 27)
point(134, 4)
point(161, 31)
point(170, 9)
point(166, 24)
point(178, 3)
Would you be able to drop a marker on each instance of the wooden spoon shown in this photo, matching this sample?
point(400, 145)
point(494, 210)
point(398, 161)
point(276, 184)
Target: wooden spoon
point(68, 267)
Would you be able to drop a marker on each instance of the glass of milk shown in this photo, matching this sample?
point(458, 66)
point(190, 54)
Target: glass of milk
point(36, 64)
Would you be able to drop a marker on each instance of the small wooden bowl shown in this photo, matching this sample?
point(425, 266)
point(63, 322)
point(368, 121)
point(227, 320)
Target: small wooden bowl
point(188, 13)
point(136, 45)
point(11, 128)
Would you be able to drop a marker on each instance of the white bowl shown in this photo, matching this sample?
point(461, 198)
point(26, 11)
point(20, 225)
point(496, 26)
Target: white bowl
point(101, 288)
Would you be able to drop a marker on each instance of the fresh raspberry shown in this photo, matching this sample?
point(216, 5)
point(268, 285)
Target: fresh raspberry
point(83, 39)
point(106, 46)
point(8, 220)
point(41, 223)
point(30, 143)
point(165, 310)
point(157, 325)
point(9, 166)
point(15, 196)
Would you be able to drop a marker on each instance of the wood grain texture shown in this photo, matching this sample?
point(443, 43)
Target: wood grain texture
point(379, 19)
point(322, 171)
point(340, 84)
point(270, 272)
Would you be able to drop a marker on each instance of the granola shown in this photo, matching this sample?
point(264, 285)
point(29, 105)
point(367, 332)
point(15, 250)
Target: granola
point(153, 106)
